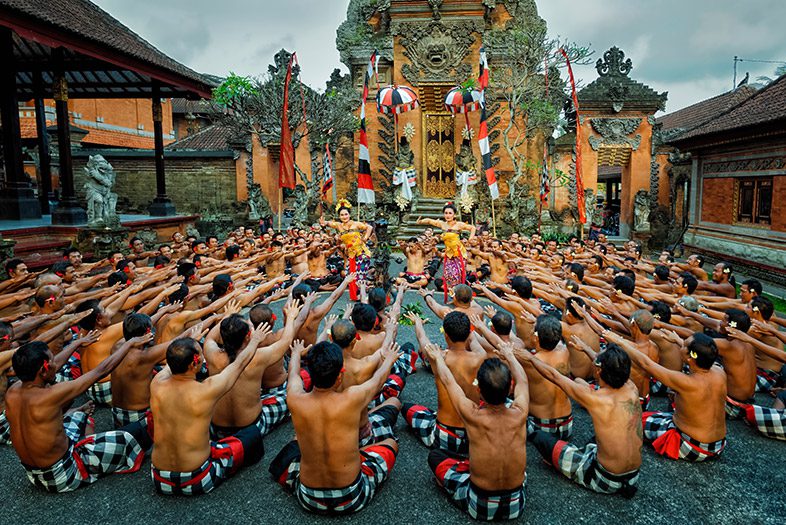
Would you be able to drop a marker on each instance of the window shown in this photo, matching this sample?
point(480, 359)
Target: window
point(754, 201)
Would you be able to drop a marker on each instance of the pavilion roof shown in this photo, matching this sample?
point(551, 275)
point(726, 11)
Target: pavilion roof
point(103, 58)
point(702, 112)
point(210, 138)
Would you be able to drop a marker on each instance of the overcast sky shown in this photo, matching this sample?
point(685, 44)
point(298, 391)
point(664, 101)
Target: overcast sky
point(684, 47)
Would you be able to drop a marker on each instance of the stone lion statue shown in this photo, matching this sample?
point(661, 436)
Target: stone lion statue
point(101, 202)
point(641, 211)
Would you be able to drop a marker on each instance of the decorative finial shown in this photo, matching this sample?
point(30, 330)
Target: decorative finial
point(614, 63)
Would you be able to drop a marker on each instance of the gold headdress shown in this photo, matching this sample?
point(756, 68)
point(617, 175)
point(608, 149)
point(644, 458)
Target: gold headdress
point(343, 203)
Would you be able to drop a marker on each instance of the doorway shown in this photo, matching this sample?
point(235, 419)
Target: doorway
point(439, 171)
point(609, 199)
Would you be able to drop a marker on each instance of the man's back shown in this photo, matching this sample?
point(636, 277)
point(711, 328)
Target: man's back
point(497, 447)
point(739, 361)
point(580, 363)
point(547, 400)
point(131, 381)
point(367, 344)
point(700, 409)
point(464, 365)
point(36, 426)
point(616, 417)
point(240, 406)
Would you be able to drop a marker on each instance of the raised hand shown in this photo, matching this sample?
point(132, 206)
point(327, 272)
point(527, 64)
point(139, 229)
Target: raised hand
point(298, 347)
point(292, 309)
point(763, 326)
point(476, 320)
point(415, 318)
point(174, 307)
point(232, 307)
point(89, 338)
point(577, 343)
point(350, 277)
point(261, 332)
point(506, 351)
point(490, 311)
point(432, 352)
point(141, 340)
point(739, 335)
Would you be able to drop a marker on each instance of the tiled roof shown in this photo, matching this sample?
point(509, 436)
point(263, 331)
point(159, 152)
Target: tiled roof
point(702, 112)
point(183, 105)
point(86, 24)
point(211, 138)
point(117, 139)
point(766, 106)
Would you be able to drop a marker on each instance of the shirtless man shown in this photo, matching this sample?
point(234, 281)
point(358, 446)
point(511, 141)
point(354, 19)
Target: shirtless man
point(321, 279)
point(185, 460)
point(415, 275)
point(243, 406)
point(51, 447)
point(444, 428)
point(769, 371)
point(299, 260)
point(696, 430)
point(325, 467)
point(611, 464)
point(7, 350)
point(462, 302)
point(364, 317)
point(519, 304)
point(308, 332)
point(498, 262)
point(573, 323)
point(490, 484)
point(722, 282)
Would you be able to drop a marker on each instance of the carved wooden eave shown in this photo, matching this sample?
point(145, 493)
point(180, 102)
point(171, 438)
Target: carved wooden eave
point(614, 91)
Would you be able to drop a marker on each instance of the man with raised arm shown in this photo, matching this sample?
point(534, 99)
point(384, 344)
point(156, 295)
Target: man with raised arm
point(185, 460)
point(696, 430)
point(325, 467)
point(308, 332)
point(611, 465)
point(52, 448)
point(490, 484)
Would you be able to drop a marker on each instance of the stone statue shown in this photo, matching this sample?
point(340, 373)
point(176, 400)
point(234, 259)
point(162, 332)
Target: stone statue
point(641, 211)
point(590, 206)
point(466, 176)
point(300, 218)
point(101, 202)
point(404, 173)
point(255, 202)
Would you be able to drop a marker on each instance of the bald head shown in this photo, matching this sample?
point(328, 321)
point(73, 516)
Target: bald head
point(46, 293)
point(644, 320)
point(47, 279)
point(463, 294)
point(343, 333)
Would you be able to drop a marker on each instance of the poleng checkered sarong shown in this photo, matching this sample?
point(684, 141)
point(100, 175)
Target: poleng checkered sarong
point(376, 462)
point(226, 458)
point(453, 476)
point(581, 465)
point(402, 368)
point(560, 427)
point(381, 423)
point(123, 417)
point(101, 393)
point(274, 409)
point(5, 430)
point(87, 458)
point(669, 441)
point(434, 434)
point(766, 380)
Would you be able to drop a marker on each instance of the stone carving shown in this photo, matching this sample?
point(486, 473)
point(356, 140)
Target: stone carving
point(436, 51)
point(614, 63)
point(101, 201)
point(615, 131)
point(466, 176)
point(404, 173)
point(772, 163)
point(255, 202)
point(435, 5)
point(590, 204)
point(654, 182)
point(641, 210)
point(149, 237)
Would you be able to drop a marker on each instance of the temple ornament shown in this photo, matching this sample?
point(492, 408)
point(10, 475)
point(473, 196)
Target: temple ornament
point(615, 131)
point(101, 201)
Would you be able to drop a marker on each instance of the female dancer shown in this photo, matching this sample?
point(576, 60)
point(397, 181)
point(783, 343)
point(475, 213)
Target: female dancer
point(454, 268)
point(355, 248)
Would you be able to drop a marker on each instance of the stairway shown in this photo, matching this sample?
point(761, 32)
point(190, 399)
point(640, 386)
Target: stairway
point(426, 208)
point(40, 247)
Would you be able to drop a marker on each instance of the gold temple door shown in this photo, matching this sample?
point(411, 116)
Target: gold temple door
point(439, 151)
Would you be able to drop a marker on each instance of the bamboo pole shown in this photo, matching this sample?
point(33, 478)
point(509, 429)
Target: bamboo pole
point(493, 218)
point(280, 205)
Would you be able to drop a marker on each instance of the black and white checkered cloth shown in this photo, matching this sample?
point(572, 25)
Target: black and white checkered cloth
point(766, 380)
point(123, 417)
point(453, 476)
point(274, 410)
point(736, 409)
point(101, 393)
point(381, 421)
point(769, 421)
point(5, 430)
point(561, 427)
point(87, 458)
point(669, 441)
point(71, 370)
point(423, 422)
point(582, 467)
point(376, 463)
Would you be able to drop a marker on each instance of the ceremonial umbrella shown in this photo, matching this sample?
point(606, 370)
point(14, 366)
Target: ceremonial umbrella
point(396, 100)
point(462, 100)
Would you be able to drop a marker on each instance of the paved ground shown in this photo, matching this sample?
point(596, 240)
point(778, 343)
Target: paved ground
point(745, 486)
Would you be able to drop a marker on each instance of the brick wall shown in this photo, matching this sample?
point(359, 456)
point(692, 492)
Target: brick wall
point(779, 203)
point(717, 200)
point(194, 184)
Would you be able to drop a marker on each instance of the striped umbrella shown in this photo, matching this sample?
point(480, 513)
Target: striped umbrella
point(396, 100)
point(462, 100)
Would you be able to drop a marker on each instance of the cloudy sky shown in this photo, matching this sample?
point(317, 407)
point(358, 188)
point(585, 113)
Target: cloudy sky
point(685, 47)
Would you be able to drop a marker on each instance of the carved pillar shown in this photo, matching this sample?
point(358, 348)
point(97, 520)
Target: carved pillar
point(162, 206)
point(68, 210)
point(44, 158)
point(17, 199)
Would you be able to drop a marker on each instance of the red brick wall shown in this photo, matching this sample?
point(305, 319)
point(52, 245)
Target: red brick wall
point(717, 200)
point(779, 203)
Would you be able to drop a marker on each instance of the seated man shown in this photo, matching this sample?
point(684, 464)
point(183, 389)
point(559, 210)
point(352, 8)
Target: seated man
point(490, 484)
point(612, 465)
point(325, 467)
point(53, 448)
point(415, 275)
point(462, 302)
point(185, 461)
point(444, 428)
point(696, 430)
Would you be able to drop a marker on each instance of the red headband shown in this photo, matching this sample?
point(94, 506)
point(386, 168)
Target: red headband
point(357, 336)
point(45, 366)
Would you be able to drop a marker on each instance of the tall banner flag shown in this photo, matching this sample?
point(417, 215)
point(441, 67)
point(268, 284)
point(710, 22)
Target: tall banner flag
point(365, 183)
point(579, 182)
point(483, 136)
point(286, 163)
point(327, 171)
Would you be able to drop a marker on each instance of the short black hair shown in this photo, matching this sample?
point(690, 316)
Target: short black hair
point(89, 323)
point(630, 274)
point(705, 349)
point(549, 330)
point(196, 243)
point(494, 381)
point(343, 333)
point(577, 269)
point(764, 305)
point(325, 361)
point(186, 269)
point(11, 264)
point(118, 277)
point(6, 329)
point(700, 258)
point(742, 319)
point(378, 299)
point(221, 284)
point(456, 326)
point(570, 305)
point(662, 272)
point(364, 316)
point(234, 330)
point(598, 259)
point(661, 311)
point(136, 325)
point(160, 261)
point(614, 366)
point(61, 267)
point(181, 294)
point(180, 354)
point(68, 251)
point(624, 284)
point(259, 314)
point(122, 265)
point(753, 286)
point(502, 323)
point(522, 286)
point(232, 252)
point(689, 282)
point(28, 360)
point(134, 239)
point(300, 292)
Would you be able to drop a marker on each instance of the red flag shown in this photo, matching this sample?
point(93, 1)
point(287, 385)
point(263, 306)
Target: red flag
point(483, 136)
point(286, 162)
point(365, 182)
point(579, 182)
